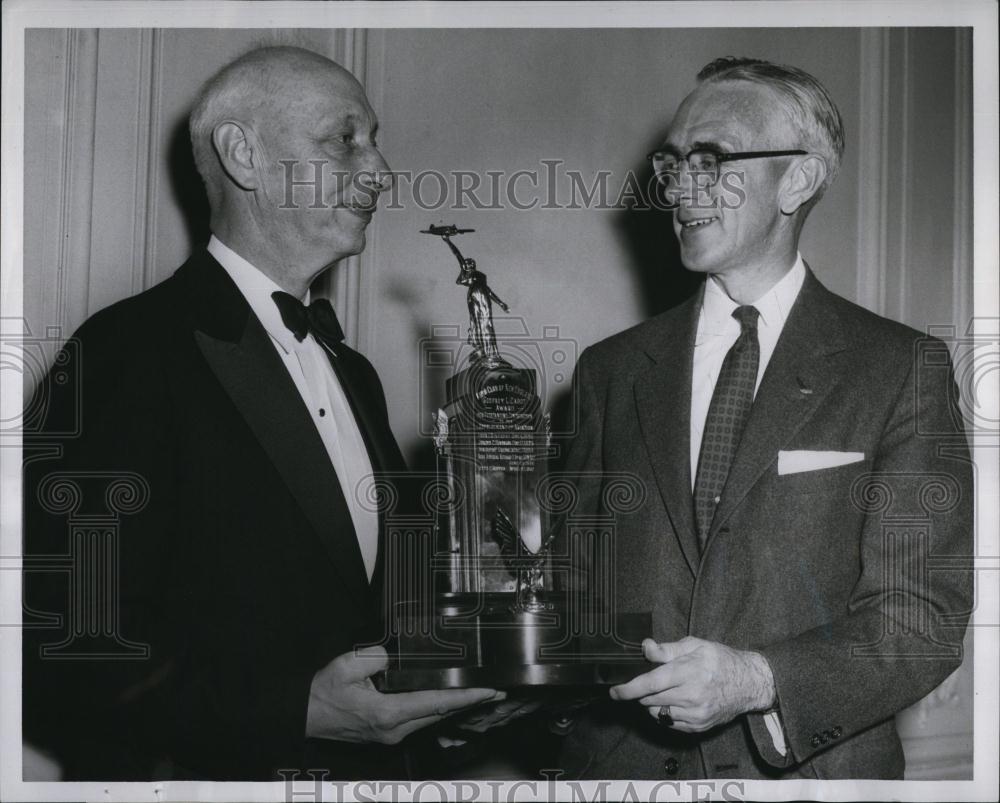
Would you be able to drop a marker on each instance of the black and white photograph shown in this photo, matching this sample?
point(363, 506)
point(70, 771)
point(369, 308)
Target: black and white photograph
point(492, 402)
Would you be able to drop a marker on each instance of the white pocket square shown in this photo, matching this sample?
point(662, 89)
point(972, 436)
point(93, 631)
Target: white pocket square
point(805, 460)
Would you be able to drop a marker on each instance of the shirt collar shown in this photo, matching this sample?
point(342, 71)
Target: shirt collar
point(773, 306)
point(256, 288)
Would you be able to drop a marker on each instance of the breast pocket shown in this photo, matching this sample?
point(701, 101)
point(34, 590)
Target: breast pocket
point(835, 481)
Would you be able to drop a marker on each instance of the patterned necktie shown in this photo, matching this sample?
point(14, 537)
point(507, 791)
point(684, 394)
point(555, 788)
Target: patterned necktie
point(726, 419)
point(318, 318)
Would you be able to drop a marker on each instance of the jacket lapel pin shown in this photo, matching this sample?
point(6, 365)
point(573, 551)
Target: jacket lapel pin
point(802, 387)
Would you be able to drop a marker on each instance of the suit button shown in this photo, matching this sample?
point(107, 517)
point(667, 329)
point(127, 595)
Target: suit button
point(815, 742)
point(562, 725)
point(836, 733)
point(670, 766)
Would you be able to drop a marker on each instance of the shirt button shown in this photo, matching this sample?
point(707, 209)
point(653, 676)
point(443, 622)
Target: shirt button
point(322, 412)
point(670, 766)
point(718, 499)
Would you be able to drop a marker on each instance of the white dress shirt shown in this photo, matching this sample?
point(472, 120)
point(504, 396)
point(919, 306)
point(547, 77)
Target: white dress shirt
point(717, 331)
point(320, 389)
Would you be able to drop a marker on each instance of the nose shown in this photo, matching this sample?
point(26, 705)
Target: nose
point(377, 175)
point(693, 184)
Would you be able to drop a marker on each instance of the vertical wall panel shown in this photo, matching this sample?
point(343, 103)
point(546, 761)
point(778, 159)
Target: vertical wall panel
point(873, 140)
point(914, 265)
point(915, 199)
point(930, 232)
point(961, 165)
point(120, 168)
point(76, 201)
point(353, 278)
point(46, 167)
point(112, 201)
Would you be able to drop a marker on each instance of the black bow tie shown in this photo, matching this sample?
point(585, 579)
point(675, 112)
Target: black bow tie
point(318, 318)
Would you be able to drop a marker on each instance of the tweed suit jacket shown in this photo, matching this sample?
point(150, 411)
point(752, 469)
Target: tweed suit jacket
point(852, 580)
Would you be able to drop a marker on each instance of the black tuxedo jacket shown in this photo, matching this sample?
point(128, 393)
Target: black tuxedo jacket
point(235, 565)
point(853, 580)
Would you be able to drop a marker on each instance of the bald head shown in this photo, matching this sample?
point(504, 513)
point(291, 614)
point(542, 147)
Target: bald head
point(256, 89)
point(285, 142)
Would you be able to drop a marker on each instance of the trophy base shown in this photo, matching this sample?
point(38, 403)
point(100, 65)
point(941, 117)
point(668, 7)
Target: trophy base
point(484, 641)
point(508, 677)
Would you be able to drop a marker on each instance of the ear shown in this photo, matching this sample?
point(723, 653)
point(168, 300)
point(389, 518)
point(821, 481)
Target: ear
point(801, 183)
point(234, 143)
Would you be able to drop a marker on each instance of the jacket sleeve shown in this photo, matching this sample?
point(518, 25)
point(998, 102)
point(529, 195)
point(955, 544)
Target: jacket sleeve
point(111, 682)
point(901, 634)
point(94, 558)
point(576, 489)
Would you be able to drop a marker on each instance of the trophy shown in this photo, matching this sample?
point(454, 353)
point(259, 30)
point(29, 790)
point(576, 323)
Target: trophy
point(489, 613)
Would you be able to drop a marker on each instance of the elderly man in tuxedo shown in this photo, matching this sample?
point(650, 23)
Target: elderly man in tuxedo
point(778, 429)
point(252, 563)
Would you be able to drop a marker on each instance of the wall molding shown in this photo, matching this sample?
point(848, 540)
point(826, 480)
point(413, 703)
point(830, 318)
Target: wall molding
point(961, 265)
point(349, 284)
point(352, 285)
point(374, 82)
point(77, 170)
point(147, 177)
point(901, 163)
point(873, 170)
point(101, 253)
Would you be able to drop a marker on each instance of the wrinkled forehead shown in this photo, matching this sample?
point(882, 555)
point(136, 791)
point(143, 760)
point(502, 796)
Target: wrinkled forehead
point(320, 95)
point(738, 115)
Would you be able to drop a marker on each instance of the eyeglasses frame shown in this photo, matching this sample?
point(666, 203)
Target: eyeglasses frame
point(723, 157)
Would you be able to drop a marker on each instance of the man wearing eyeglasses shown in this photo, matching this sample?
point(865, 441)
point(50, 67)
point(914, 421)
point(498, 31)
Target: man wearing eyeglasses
point(780, 432)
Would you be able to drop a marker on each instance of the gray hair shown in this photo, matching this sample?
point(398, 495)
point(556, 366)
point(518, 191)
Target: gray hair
point(809, 106)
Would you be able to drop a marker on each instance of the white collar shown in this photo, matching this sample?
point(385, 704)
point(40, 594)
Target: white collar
point(256, 288)
point(774, 305)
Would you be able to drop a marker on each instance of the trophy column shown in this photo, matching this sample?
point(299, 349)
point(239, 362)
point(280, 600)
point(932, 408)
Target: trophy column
point(495, 450)
point(494, 620)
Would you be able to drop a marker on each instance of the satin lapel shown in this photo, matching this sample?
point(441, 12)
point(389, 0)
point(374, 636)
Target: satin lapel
point(663, 403)
point(798, 377)
point(242, 357)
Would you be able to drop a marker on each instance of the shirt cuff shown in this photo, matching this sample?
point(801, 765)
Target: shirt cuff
point(772, 721)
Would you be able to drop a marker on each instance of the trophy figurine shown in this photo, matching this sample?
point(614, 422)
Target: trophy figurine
point(529, 595)
point(480, 299)
point(490, 614)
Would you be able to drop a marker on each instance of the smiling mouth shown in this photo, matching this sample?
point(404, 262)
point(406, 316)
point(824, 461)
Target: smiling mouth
point(688, 225)
point(364, 212)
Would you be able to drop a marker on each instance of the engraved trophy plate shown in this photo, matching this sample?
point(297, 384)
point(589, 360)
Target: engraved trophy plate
point(494, 618)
